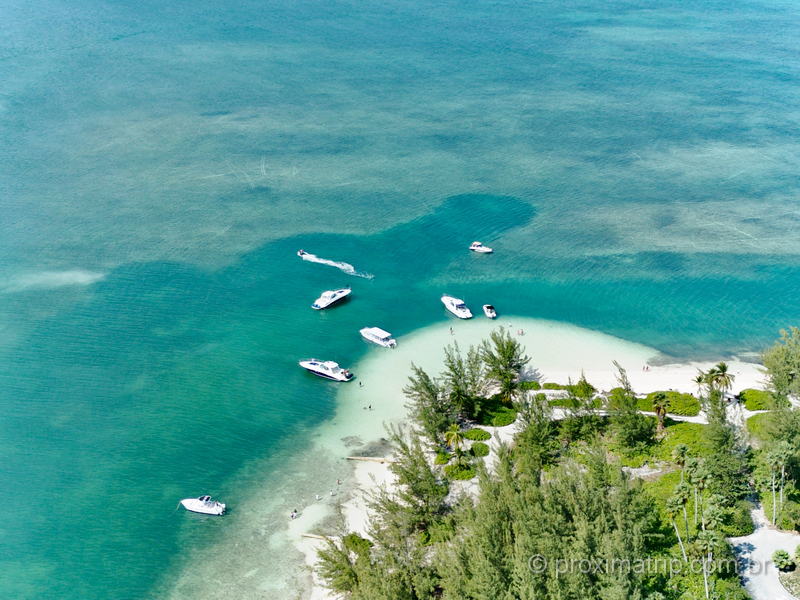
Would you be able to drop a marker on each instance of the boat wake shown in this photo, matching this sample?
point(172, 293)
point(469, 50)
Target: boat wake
point(342, 266)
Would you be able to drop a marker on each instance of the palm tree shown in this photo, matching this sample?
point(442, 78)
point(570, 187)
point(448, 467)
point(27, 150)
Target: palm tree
point(454, 438)
point(679, 455)
point(720, 378)
point(714, 515)
point(706, 541)
point(783, 454)
point(773, 460)
point(660, 406)
point(696, 473)
point(682, 493)
point(701, 381)
point(674, 505)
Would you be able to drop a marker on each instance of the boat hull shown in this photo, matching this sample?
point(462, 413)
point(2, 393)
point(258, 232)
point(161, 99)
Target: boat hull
point(216, 509)
point(326, 376)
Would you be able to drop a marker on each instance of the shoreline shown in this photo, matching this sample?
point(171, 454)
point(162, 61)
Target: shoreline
point(569, 361)
point(262, 551)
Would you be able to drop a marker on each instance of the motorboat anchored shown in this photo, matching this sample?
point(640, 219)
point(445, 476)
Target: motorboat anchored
point(330, 297)
point(378, 336)
point(327, 369)
point(456, 306)
point(489, 311)
point(480, 248)
point(204, 505)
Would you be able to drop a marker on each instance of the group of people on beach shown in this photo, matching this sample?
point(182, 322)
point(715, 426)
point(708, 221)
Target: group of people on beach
point(294, 514)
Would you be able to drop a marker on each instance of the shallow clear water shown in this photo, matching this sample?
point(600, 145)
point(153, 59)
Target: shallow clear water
point(634, 166)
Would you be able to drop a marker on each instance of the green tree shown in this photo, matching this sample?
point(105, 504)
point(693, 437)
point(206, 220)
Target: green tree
point(675, 505)
point(720, 378)
point(428, 404)
point(660, 406)
point(682, 493)
point(706, 542)
point(504, 358)
point(464, 380)
point(679, 455)
point(632, 430)
point(782, 362)
point(454, 438)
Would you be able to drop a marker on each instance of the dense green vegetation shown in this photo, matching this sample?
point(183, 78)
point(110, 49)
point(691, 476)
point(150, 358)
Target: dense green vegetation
point(756, 399)
point(559, 495)
point(477, 434)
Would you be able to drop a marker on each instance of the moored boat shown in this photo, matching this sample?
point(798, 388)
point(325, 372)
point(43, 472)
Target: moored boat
point(456, 306)
point(376, 335)
point(204, 505)
point(327, 369)
point(489, 311)
point(480, 248)
point(330, 297)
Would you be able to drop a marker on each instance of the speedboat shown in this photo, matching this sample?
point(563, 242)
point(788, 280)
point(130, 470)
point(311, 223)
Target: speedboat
point(456, 306)
point(330, 297)
point(204, 505)
point(327, 369)
point(489, 311)
point(301, 252)
point(480, 248)
point(378, 336)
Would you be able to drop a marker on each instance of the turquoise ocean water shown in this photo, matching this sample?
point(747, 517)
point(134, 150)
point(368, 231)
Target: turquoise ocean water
point(633, 164)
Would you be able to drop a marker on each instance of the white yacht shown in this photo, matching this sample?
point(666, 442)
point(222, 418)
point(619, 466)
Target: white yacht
point(378, 336)
point(330, 297)
point(489, 311)
point(480, 248)
point(457, 307)
point(327, 369)
point(204, 505)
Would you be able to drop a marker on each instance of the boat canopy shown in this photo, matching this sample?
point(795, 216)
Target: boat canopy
point(377, 332)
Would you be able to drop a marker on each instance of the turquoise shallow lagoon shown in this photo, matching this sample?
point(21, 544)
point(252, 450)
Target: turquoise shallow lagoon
point(633, 164)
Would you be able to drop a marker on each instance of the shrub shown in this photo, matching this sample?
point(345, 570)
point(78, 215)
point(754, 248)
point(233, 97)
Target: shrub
point(553, 386)
point(530, 385)
point(756, 399)
point(758, 426)
point(477, 434)
point(789, 516)
point(691, 435)
point(442, 457)
point(356, 544)
point(479, 449)
point(493, 412)
point(782, 560)
point(459, 472)
point(679, 404)
point(503, 418)
point(739, 521)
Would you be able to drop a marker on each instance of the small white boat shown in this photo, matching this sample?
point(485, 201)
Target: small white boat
point(480, 248)
point(457, 307)
point(204, 505)
point(376, 335)
point(327, 369)
point(330, 297)
point(489, 311)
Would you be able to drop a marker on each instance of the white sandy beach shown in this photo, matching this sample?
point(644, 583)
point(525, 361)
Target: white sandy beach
point(559, 352)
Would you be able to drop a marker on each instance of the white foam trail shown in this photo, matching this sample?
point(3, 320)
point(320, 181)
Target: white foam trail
point(48, 280)
point(342, 266)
